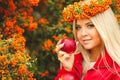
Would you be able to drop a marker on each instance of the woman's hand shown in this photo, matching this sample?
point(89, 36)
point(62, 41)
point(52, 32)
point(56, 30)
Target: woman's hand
point(66, 60)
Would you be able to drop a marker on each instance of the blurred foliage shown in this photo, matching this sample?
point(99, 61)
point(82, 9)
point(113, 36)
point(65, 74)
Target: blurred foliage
point(15, 19)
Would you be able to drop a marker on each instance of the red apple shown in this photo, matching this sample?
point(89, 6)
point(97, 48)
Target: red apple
point(68, 76)
point(69, 45)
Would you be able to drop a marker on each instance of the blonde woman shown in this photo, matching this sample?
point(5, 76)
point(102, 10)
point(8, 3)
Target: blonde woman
point(96, 32)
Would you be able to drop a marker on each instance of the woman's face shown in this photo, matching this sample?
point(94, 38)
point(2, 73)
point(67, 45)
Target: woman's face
point(87, 34)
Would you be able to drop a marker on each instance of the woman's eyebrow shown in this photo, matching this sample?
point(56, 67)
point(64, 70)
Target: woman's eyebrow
point(77, 24)
point(89, 23)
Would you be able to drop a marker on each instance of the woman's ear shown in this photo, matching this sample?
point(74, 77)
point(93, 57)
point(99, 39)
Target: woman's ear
point(76, 51)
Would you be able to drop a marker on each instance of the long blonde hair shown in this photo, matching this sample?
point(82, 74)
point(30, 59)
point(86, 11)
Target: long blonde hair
point(109, 30)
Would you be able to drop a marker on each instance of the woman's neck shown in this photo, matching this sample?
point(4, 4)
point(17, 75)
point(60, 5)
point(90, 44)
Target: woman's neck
point(94, 54)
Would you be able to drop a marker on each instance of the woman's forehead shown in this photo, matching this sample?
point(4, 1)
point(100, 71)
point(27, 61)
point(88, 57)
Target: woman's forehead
point(83, 21)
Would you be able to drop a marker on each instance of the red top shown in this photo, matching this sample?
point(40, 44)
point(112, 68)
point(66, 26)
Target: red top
point(100, 70)
point(104, 69)
point(76, 71)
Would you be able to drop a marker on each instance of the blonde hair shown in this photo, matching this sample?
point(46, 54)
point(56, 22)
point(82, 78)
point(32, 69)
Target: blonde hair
point(108, 28)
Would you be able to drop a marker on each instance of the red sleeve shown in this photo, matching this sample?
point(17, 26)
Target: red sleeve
point(76, 71)
point(117, 77)
point(117, 74)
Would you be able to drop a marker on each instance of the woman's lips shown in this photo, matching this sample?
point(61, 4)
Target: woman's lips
point(86, 41)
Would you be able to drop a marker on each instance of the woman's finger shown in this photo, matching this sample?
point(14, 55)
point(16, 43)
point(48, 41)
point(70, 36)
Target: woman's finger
point(60, 54)
point(59, 42)
point(63, 56)
point(58, 47)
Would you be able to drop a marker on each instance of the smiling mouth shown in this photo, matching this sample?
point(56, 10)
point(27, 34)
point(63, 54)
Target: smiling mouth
point(86, 41)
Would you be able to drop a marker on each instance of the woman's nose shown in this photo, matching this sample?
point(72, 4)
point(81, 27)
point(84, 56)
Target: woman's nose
point(83, 32)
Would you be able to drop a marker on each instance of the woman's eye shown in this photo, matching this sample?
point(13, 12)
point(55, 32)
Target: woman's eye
point(77, 27)
point(90, 26)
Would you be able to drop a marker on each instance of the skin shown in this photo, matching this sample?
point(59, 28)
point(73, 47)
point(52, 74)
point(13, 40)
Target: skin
point(89, 38)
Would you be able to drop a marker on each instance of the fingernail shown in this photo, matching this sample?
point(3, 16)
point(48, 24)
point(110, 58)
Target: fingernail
point(62, 44)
